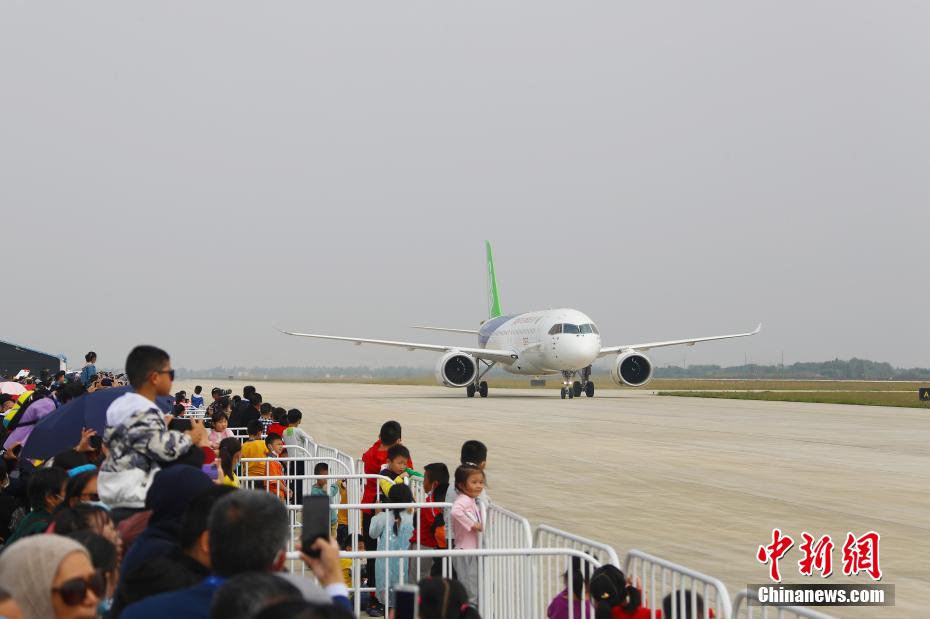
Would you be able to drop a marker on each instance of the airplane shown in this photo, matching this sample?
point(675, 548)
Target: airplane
point(546, 342)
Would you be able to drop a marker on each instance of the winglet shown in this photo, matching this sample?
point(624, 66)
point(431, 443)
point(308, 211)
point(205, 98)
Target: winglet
point(759, 328)
point(494, 297)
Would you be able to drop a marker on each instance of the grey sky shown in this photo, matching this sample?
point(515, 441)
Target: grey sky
point(194, 174)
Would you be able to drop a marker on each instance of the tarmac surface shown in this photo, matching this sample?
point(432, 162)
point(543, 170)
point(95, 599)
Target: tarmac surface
point(696, 481)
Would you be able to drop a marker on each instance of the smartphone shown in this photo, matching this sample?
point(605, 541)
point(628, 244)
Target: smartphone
point(405, 601)
point(315, 522)
point(96, 442)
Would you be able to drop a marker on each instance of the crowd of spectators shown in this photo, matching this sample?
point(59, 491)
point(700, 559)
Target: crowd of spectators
point(148, 518)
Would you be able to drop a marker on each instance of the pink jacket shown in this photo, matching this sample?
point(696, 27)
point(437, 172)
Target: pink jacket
point(465, 513)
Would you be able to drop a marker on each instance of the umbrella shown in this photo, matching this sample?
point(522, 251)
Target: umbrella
point(12, 388)
point(61, 430)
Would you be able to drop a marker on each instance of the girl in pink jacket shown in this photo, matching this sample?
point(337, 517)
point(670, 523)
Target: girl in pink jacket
point(467, 525)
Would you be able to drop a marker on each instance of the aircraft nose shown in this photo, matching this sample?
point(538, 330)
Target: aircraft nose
point(577, 351)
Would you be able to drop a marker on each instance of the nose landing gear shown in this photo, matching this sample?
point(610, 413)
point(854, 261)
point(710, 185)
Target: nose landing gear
point(574, 389)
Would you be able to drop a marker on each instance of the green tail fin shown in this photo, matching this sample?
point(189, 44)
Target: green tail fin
point(494, 297)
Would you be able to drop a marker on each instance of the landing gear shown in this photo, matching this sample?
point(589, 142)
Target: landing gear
point(574, 388)
point(480, 386)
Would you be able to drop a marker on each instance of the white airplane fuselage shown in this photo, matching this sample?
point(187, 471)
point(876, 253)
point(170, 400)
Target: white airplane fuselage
point(546, 342)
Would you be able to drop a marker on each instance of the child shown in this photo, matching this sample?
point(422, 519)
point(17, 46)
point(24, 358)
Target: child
point(230, 452)
point(374, 460)
point(293, 435)
point(395, 468)
point(431, 533)
point(278, 487)
point(342, 515)
point(279, 415)
point(197, 398)
point(255, 447)
point(325, 487)
point(265, 417)
point(346, 564)
point(392, 528)
point(475, 453)
point(219, 431)
point(466, 524)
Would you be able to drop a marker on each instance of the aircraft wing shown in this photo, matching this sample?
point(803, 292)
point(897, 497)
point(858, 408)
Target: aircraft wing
point(506, 357)
point(689, 342)
point(469, 331)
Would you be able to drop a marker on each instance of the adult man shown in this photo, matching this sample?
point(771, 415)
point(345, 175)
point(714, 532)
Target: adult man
point(138, 437)
point(247, 531)
point(251, 411)
point(254, 411)
point(180, 568)
point(217, 395)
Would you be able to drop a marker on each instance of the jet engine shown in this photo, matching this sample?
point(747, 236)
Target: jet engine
point(456, 369)
point(632, 369)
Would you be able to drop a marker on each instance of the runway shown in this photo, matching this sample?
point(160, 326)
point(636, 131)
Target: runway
point(696, 481)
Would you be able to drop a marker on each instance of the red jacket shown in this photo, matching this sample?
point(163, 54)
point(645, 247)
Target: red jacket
point(640, 613)
point(425, 530)
point(375, 459)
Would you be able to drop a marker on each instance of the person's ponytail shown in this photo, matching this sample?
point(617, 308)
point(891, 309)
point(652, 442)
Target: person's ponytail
point(634, 599)
point(602, 610)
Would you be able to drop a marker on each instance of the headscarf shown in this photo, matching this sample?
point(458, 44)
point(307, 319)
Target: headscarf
point(28, 569)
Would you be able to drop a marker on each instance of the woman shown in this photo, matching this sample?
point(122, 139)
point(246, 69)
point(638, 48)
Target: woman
point(104, 556)
point(52, 576)
point(82, 486)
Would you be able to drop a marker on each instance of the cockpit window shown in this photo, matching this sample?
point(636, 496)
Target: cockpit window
point(568, 328)
point(555, 330)
point(585, 328)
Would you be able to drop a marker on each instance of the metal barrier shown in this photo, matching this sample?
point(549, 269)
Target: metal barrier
point(741, 603)
point(517, 603)
point(400, 568)
point(195, 413)
point(658, 578)
point(347, 461)
point(552, 582)
point(501, 575)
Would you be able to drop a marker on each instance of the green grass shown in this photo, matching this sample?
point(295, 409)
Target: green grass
point(867, 398)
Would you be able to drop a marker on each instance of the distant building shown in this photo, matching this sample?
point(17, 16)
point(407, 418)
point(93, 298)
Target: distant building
point(14, 358)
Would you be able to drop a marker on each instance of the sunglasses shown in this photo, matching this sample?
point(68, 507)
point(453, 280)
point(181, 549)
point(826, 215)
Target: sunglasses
point(74, 591)
point(170, 373)
point(84, 497)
